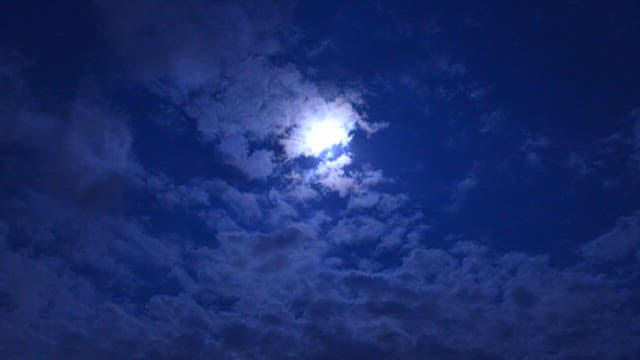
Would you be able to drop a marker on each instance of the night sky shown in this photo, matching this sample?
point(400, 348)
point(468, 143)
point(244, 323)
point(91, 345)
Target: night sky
point(319, 179)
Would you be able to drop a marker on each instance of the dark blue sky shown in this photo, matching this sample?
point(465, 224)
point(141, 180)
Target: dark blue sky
point(319, 180)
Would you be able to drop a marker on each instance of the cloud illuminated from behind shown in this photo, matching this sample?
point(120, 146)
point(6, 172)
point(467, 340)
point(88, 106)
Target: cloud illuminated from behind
point(321, 126)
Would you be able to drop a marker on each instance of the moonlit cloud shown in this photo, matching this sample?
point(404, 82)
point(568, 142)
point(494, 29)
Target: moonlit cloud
point(331, 174)
point(323, 130)
point(325, 133)
point(260, 219)
point(321, 126)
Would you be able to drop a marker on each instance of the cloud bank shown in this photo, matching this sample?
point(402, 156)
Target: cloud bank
point(302, 256)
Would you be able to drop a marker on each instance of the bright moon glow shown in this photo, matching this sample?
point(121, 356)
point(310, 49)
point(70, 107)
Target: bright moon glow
point(320, 127)
point(324, 134)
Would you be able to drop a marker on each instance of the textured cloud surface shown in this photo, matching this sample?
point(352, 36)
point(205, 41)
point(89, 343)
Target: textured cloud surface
point(211, 192)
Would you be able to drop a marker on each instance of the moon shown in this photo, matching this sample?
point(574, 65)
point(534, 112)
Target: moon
point(324, 134)
point(321, 129)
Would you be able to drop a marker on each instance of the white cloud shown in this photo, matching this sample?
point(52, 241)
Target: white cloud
point(331, 174)
point(228, 86)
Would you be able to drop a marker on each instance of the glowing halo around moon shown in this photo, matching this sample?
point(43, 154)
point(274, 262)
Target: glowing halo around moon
point(324, 134)
point(323, 129)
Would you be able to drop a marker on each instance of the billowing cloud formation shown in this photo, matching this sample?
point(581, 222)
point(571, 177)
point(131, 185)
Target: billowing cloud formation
point(103, 255)
point(331, 174)
point(237, 97)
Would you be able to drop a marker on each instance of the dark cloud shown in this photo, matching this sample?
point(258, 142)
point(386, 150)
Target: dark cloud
point(619, 244)
point(635, 118)
point(578, 162)
point(278, 293)
point(533, 146)
point(193, 44)
point(462, 188)
point(209, 60)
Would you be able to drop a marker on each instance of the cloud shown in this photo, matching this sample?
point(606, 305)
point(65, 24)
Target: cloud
point(623, 144)
point(97, 139)
point(301, 193)
point(491, 121)
point(289, 290)
point(635, 116)
point(370, 200)
point(189, 44)
point(88, 269)
point(217, 202)
point(532, 146)
point(258, 164)
point(579, 163)
point(333, 121)
point(462, 189)
point(450, 68)
point(364, 201)
point(237, 97)
point(337, 174)
point(464, 299)
point(620, 243)
point(331, 174)
point(4, 233)
point(356, 230)
point(209, 60)
point(613, 158)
